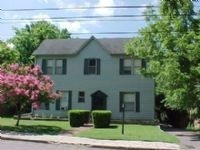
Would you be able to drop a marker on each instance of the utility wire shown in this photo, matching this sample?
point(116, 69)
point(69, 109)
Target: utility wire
point(122, 33)
point(96, 33)
point(76, 20)
point(79, 17)
point(76, 8)
point(89, 17)
point(83, 7)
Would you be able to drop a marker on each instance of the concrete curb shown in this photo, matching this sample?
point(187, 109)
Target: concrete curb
point(96, 143)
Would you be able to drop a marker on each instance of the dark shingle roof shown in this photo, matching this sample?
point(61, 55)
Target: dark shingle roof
point(73, 46)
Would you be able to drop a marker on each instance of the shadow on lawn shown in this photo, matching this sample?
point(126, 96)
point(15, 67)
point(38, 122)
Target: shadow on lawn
point(34, 129)
point(113, 127)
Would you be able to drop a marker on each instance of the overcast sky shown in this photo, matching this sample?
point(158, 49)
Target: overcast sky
point(6, 29)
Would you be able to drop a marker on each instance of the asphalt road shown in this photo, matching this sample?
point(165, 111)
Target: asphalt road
point(188, 140)
point(20, 145)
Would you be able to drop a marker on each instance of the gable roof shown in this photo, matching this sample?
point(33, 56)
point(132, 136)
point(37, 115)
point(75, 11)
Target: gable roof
point(74, 46)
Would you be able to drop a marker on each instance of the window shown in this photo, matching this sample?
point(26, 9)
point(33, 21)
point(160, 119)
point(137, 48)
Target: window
point(130, 66)
point(130, 101)
point(58, 104)
point(46, 104)
point(137, 65)
point(48, 66)
point(60, 66)
point(92, 66)
point(81, 96)
point(62, 102)
point(127, 68)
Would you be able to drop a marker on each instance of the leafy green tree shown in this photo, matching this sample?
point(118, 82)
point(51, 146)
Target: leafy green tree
point(27, 39)
point(170, 44)
point(7, 55)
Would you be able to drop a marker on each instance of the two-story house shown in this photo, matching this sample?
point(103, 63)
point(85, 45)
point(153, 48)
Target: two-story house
point(95, 74)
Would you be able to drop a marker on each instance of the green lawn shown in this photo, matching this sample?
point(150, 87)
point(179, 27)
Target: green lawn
point(34, 126)
point(132, 132)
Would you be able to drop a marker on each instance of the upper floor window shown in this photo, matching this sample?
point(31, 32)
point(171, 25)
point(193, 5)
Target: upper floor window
point(127, 66)
point(130, 101)
point(92, 66)
point(130, 66)
point(60, 66)
point(48, 66)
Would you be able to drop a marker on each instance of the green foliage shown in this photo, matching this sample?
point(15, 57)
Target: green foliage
point(170, 44)
point(77, 118)
point(27, 39)
point(8, 55)
point(101, 118)
point(86, 116)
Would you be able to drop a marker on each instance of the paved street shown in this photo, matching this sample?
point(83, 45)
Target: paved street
point(188, 140)
point(20, 145)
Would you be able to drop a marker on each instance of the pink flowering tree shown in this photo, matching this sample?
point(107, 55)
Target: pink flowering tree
point(23, 86)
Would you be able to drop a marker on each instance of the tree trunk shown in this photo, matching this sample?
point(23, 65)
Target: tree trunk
point(18, 118)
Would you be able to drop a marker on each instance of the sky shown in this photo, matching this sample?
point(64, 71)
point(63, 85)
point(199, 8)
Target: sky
point(6, 27)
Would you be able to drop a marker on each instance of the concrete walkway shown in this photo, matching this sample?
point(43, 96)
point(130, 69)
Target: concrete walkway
point(64, 139)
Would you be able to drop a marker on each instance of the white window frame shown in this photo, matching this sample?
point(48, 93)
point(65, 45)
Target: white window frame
point(134, 66)
point(91, 67)
point(130, 105)
point(48, 68)
point(59, 67)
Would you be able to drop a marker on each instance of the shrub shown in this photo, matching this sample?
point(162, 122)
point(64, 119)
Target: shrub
point(86, 116)
point(77, 118)
point(101, 118)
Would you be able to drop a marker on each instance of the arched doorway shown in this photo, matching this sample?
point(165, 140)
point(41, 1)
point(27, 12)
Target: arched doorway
point(99, 101)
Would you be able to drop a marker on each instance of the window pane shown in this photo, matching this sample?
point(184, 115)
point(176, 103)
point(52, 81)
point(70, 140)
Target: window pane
point(127, 66)
point(81, 93)
point(129, 101)
point(129, 106)
point(64, 99)
point(92, 62)
point(59, 70)
point(127, 62)
point(59, 67)
point(58, 104)
point(59, 63)
point(92, 70)
point(127, 70)
point(49, 63)
point(46, 105)
point(49, 70)
point(138, 63)
point(129, 97)
point(81, 96)
point(92, 66)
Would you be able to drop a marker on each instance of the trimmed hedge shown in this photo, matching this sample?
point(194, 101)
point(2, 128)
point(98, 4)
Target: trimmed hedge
point(86, 116)
point(77, 118)
point(101, 118)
